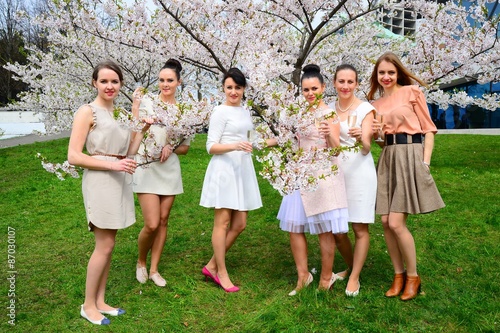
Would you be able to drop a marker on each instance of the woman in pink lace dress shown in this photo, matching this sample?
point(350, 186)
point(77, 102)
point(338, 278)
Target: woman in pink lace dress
point(323, 211)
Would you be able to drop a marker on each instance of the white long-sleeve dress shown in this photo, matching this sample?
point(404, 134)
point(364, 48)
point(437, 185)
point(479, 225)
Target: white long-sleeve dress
point(230, 180)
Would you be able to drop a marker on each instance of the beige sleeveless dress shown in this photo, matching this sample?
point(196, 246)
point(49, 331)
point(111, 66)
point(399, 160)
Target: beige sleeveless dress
point(107, 195)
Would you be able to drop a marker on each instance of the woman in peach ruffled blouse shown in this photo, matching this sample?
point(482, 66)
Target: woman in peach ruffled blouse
point(405, 185)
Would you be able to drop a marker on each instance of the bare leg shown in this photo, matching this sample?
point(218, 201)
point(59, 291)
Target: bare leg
point(223, 237)
point(360, 253)
point(392, 246)
point(150, 206)
point(166, 203)
point(406, 244)
point(327, 246)
point(237, 226)
point(344, 246)
point(97, 273)
point(298, 244)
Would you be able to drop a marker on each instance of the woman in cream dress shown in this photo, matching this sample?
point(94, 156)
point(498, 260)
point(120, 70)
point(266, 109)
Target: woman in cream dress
point(107, 194)
point(157, 184)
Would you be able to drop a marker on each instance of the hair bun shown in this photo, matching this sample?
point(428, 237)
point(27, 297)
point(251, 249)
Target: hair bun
point(174, 64)
point(311, 68)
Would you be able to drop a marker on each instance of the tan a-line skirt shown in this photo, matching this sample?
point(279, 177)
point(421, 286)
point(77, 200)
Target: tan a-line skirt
point(405, 184)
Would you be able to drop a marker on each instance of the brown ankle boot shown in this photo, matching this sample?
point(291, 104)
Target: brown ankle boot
point(412, 288)
point(397, 285)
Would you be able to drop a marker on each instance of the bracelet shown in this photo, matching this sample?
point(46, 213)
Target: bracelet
point(426, 164)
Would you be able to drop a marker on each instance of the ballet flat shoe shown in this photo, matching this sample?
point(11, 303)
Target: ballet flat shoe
point(208, 275)
point(232, 289)
point(103, 321)
point(158, 280)
point(353, 293)
point(397, 286)
point(412, 288)
point(308, 282)
point(114, 313)
point(141, 274)
point(340, 277)
point(332, 281)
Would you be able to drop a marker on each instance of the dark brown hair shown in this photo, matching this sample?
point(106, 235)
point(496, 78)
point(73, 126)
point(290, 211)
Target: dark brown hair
point(237, 76)
point(312, 71)
point(175, 65)
point(107, 64)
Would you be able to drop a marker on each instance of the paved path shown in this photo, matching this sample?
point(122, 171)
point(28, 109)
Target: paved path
point(31, 138)
point(27, 139)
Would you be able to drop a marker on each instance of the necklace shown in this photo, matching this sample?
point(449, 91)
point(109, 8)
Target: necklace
point(345, 110)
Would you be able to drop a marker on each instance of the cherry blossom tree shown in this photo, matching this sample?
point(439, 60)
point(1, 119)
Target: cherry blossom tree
point(269, 40)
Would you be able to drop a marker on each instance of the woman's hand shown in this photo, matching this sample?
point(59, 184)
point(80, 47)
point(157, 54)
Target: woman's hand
point(148, 121)
point(324, 128)
point(138, 94)
point(166, 152)
point(356, 133)
point(244, 146)
point(125, 165)
point(376, 127)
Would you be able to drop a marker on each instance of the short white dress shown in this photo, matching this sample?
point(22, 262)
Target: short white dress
point(230, 180)
point(107, 195)
point(162, 178)
point(359, 172)
point(323, 210)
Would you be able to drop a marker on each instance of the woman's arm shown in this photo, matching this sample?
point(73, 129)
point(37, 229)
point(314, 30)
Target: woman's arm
point(330, 128)
point(221, 148)
point(82, 124)
point(364, 134)
point(181, 150)
point(428, 147)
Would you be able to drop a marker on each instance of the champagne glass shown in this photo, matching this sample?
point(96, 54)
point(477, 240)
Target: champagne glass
point(131, 176)
point(137, 95)
point(351, 119)
point(318, 118)
point(380, 119)
point(317, 122)
point(251, 137)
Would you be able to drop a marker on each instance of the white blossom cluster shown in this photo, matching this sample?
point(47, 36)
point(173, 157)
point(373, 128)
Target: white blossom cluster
point(60, 170)
point(181, 121)
point(289, 167)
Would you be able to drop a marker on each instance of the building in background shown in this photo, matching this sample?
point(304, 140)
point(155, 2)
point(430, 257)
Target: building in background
point(405, 22)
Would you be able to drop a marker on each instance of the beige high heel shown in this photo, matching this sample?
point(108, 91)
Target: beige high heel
point(308, 282)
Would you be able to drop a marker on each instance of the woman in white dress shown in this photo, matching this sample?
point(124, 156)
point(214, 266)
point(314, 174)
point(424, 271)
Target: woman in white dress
point(107, 194)
point(356, 119)
point(158, 184)
point(230, 184)
point(323, 211)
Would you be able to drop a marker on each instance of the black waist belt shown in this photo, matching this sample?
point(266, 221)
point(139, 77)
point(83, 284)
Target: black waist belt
point(403, 138)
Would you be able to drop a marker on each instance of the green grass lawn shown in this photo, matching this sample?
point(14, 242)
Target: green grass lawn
point(457, 248)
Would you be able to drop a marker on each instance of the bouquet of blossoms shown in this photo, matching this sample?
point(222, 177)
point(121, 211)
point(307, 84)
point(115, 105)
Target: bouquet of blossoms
point(181, 121)
point(287, 167)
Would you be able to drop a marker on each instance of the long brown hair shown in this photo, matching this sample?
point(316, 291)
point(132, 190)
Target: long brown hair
point(405, 77)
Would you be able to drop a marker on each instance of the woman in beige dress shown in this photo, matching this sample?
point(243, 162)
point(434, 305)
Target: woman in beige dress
point(107, 194)
point(158, 184)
